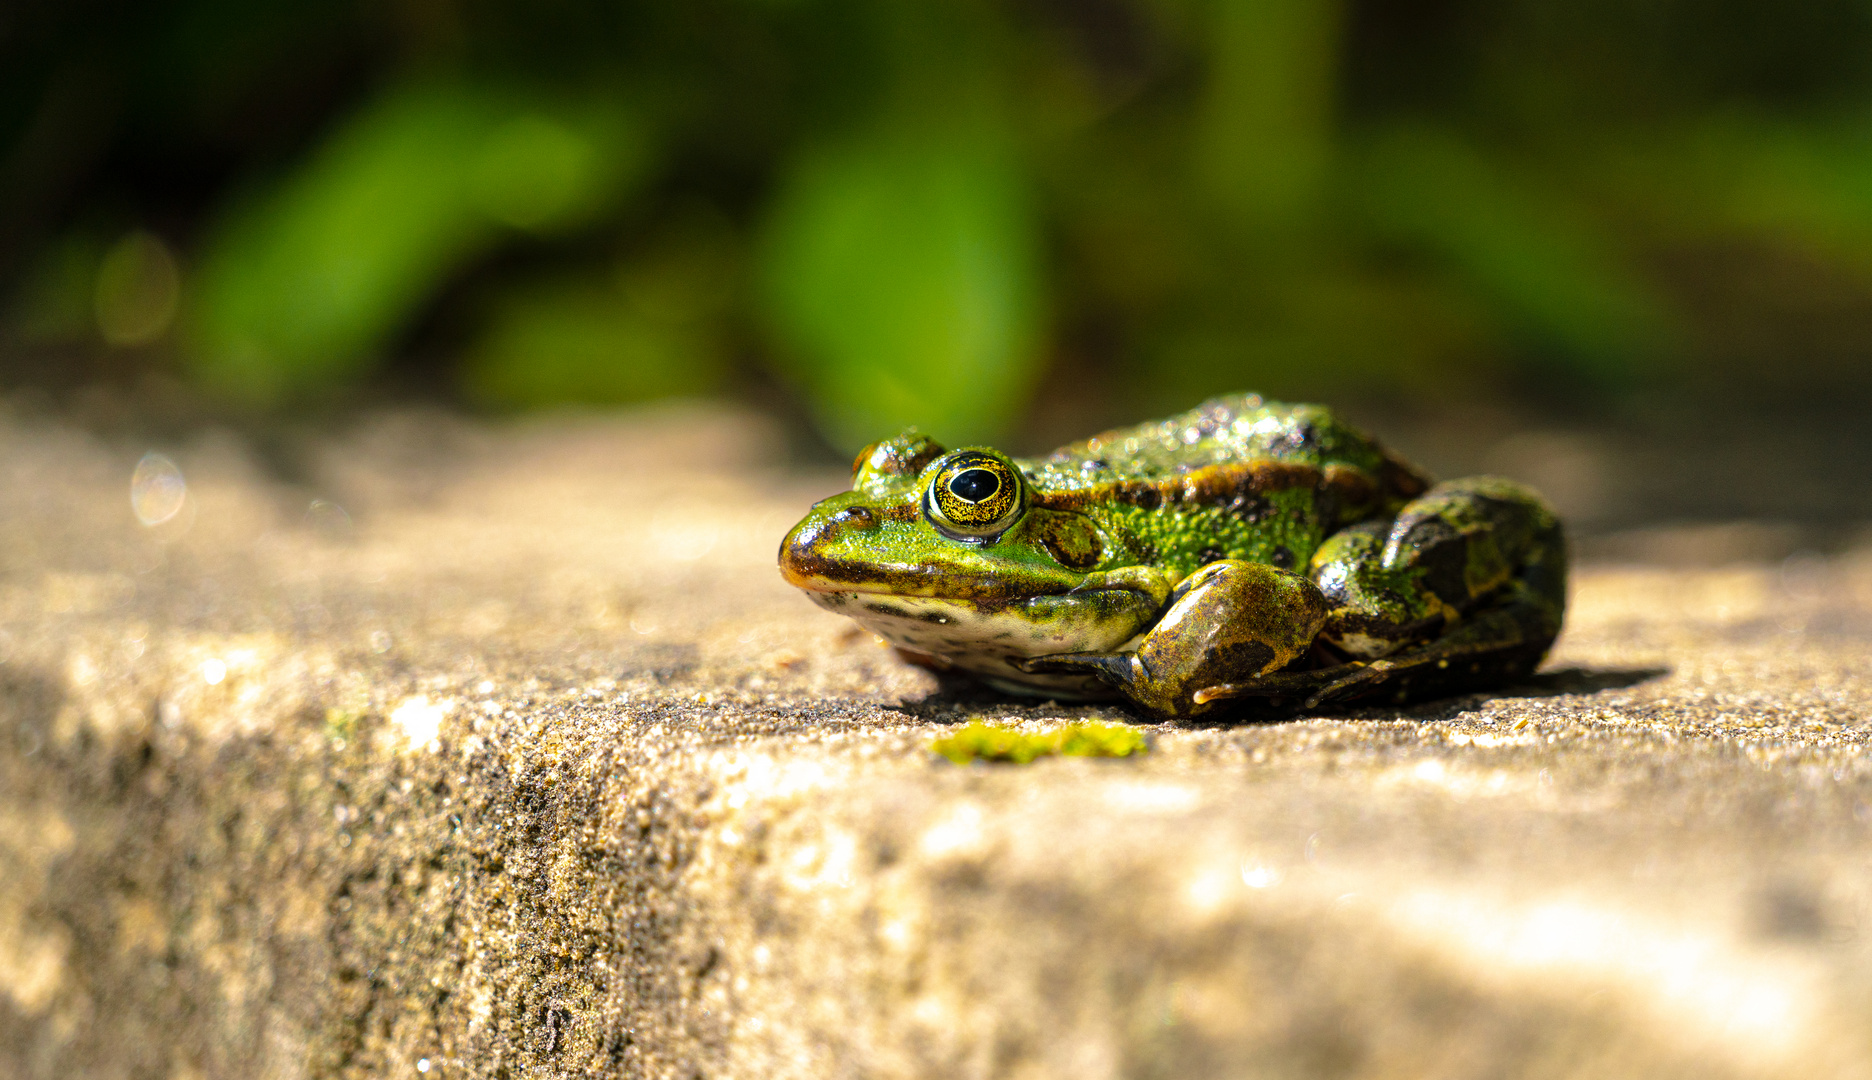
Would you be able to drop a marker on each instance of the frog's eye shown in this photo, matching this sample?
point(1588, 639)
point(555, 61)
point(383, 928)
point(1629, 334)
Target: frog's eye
point(974, 496)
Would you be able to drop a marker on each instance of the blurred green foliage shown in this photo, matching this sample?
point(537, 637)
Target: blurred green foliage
point(901, 274)
point(305, 284)
point(912, 211)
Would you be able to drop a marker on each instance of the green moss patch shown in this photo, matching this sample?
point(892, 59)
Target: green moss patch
point(992, 742)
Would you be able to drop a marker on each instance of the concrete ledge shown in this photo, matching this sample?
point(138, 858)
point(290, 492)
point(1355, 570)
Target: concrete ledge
point(525, 763)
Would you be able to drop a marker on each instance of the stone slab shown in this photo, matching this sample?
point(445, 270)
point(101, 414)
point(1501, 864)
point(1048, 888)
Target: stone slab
point(440, 750)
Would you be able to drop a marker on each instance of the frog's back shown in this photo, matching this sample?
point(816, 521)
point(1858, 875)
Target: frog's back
point(1237, 430)
point(1236, 477)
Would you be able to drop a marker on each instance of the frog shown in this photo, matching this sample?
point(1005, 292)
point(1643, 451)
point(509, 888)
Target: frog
point(1246, 555)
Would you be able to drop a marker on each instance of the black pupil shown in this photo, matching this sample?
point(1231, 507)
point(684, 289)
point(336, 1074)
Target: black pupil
point(975, 485)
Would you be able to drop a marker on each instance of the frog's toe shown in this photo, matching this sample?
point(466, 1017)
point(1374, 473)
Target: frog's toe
point(1349, 684)
point(1052, 664)
point(1231, 691)
point(1284, 684)
point(1112, 667)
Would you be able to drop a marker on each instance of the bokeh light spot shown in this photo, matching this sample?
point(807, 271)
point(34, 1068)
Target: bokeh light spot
point(157, 489)
point(328, 519)
point(138, 288)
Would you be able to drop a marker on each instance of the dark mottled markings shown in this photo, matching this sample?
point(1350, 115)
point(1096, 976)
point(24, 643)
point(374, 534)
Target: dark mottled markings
point(904, 613)
point(1071, 543)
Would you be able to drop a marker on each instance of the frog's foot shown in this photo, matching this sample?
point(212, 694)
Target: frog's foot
point(1306, 688)
point(1350, 684)
point(1491, 647)
point(1230, 623)
point(1433, 670)
point(1114, 667)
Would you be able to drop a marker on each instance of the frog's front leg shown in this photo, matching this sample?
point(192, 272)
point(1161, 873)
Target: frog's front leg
point(1230, 623)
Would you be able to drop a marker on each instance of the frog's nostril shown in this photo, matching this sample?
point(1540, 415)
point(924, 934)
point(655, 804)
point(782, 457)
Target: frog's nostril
point(855, 517)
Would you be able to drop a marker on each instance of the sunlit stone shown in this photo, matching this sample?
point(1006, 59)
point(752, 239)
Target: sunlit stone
point(420, 720)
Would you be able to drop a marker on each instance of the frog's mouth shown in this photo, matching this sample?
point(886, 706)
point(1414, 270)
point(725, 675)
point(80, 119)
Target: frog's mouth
point(809, 560)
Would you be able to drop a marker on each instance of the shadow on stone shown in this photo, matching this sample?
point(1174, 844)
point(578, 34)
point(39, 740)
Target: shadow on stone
point(956, 696)
point(1575, 680)
point(1440, 707)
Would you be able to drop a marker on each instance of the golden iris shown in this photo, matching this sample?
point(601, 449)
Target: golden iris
point(974, 495)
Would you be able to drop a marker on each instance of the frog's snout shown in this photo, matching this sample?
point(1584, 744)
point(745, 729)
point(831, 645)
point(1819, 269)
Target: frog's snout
point(803, 560)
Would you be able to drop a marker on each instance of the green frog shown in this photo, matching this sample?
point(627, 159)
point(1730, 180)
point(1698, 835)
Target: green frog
point(1247, 552)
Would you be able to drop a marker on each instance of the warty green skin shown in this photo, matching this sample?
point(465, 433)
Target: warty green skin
point(1246, 549)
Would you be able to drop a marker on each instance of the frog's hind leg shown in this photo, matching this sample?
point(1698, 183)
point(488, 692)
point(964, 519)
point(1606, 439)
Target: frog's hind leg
point(1231, 622)
point(1465, 589)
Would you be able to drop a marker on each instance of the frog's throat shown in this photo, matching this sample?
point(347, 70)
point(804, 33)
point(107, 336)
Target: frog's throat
point(985, 640)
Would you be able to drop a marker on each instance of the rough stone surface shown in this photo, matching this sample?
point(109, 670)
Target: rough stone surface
point(525, 763)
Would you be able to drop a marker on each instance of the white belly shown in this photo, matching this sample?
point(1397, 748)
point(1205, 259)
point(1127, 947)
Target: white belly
point(983, 643)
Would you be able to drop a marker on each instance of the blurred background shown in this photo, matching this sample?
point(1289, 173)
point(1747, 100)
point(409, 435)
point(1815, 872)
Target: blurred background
point(1622, 248)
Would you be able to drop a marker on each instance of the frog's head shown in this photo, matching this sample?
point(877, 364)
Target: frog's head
point(951, 556)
